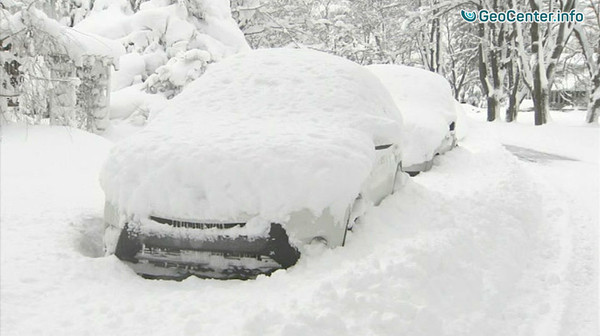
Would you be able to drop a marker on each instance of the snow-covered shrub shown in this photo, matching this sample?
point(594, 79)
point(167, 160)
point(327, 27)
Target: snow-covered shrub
point(169, 44)
point(180, 70)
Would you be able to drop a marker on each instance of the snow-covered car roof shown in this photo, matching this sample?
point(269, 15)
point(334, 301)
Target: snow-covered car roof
point(264, 133)
point(425, 100)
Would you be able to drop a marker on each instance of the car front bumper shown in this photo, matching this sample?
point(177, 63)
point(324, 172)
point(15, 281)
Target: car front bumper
point(164, 249)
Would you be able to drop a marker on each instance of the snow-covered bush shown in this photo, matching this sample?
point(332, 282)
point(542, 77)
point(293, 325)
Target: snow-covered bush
point(169, 79)
point(169, 43)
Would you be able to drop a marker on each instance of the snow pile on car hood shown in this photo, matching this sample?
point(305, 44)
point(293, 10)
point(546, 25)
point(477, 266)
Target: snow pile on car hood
point(426, 102)
point(260, 134)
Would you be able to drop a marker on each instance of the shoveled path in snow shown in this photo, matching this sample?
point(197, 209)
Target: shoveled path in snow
point(480, 245)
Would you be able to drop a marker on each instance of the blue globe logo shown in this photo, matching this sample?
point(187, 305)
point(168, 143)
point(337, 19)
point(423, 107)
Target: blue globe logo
point(468, 16)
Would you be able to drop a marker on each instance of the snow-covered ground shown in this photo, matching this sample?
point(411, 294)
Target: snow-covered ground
point(574, 185)
point(483, 244)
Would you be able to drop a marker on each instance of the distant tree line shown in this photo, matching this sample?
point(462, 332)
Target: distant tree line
point(495, 64)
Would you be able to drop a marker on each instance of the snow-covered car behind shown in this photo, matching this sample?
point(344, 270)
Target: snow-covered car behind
point(266, 151)
point(429, 111)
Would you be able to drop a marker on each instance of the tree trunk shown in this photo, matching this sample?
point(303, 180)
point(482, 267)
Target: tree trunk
point(513, 107)
point(594, 103)
point(493, 107)
point(514, 79)
point(594, 71)
point(482, 51)
point(555, 40)
point(496, 85)
point(541, 97)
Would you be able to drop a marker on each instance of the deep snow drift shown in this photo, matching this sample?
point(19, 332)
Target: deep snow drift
point(479, 245)
point(263, 134)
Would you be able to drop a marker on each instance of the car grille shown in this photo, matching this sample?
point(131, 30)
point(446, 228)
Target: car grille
point(195, 225)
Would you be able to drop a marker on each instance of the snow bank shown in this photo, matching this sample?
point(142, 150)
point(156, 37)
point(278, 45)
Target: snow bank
point(426, 103)
point(265, 133)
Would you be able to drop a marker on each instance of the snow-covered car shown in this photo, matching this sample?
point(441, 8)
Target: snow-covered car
point(265, 152)
point(428, 109)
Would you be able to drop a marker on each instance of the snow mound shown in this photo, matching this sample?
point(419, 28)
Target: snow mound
point(261, 134)
point(426, 102)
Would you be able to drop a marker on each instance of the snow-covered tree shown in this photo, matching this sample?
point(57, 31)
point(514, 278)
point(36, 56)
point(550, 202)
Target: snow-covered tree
point(48, 63)
point(67, 12)
point(588, 36)
point(547, 44)
point(426, 34)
